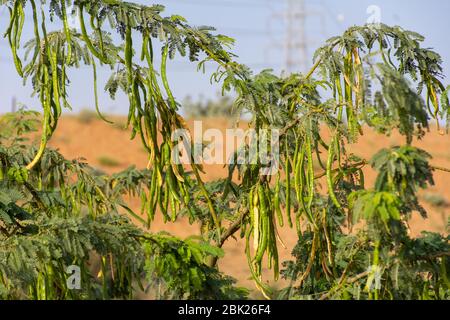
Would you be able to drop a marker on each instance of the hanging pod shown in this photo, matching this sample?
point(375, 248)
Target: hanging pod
point(329, 173)
point(49, 96)
point(55, 85)
point(37, 38)
point(310, 171)
point(97, 107)
point(262, 218)
point(263, 288)
point(153, 194)
point(163, 199)
point(45, 101)
point(86, 37)
point(14, 32)
point(170, 177)
point(300, 179)
point(165, 82)
point(288, 183)
point(255, 218)
point(131, 92)
point(276, 201)
point(66, 32)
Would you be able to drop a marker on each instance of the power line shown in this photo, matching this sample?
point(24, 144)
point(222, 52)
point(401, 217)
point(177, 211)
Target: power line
point(176, 66)
point(331, 14)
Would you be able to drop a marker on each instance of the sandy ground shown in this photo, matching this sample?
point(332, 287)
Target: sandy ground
point(93, 139)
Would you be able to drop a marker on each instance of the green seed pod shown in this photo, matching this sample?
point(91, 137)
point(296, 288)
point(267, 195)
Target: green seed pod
point(276, 201)
point(165, 55)
point(330, 183)
point(288, 187)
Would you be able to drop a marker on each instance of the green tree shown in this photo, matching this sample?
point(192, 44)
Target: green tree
point(371, 75)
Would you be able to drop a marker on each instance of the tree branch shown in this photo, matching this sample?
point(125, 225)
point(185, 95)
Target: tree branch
point(232, 229)
point(349, 281)
point(358, 164)
point(440, 169)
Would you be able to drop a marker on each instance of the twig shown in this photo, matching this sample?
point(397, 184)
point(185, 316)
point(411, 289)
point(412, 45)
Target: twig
point(323, 174)
point(440, 169)
point(349, 281)
point(436, 255)
point(232, 229)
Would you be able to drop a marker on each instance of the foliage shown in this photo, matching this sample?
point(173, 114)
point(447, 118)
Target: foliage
point(403, 170)
point(436, 200)
point(63, 213)
point(381, 260)
point(375, 207)
point(378, 76)
point(181, 266)
point(108, 161)
point(87, 116)
point(218, 108)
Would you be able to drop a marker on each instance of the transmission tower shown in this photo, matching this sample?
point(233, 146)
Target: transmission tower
point(296, 46)
point(296, 42)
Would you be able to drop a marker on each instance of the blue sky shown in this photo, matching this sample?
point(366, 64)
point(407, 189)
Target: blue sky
point(259, 34)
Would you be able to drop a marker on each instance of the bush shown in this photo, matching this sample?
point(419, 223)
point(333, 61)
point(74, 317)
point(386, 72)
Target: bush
point(108, 161)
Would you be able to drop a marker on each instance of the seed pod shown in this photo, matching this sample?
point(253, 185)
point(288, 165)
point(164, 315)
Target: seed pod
point(36, 37)
point(173, 208)
point(330, 184)
point(288, 187)
point(54, 67)
point(13, 32)
point(91, 47)
point(273, 249)
point(276, 202)
point(164, 202)
point(256, 220)
point(263, 241)
point(97, 107)
point(264, 225)
point(361, 178)
point(310, 171)
point(171, 180)
point(165, 54)
point(299, 177)
point(66, 31)
point(144, 200)
point(153, 195)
